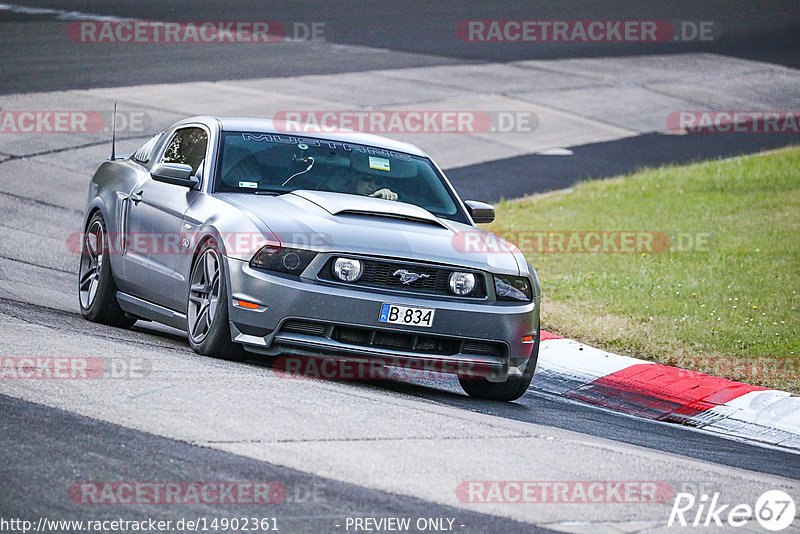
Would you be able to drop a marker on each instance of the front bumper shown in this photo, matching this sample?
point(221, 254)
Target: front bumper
point(343, 321)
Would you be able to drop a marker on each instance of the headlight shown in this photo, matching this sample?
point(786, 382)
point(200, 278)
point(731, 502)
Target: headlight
point(512, 288)
point(462, 284)
point(282, 260)
point(347, 269)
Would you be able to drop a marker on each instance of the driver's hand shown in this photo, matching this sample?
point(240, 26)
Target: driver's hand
point(386, 194)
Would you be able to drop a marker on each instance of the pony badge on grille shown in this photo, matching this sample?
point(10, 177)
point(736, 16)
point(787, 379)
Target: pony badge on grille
point(407, 277)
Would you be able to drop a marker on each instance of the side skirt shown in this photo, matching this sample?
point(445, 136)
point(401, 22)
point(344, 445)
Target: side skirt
point(154, 312)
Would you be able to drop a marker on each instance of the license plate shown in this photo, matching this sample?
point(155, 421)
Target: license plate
point(391, 313)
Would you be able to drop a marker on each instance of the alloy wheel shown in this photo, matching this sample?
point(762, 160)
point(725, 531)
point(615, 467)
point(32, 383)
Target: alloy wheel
point(203, 295)
point(91, 263)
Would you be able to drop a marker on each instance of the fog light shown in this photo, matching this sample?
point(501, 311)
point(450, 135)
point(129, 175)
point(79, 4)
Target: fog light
point(347, 269)
point(462, 283)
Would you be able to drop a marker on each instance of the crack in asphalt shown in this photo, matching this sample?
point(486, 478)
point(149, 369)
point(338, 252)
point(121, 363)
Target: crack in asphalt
point(15, 157)
point(36, 264)
point(4, 310)
point(59, 14)
point(25, 231)
point(40, 202)
point(355, 440)
point(145, 393)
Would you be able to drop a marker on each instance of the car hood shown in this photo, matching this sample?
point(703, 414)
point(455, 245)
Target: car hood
point(337, 222)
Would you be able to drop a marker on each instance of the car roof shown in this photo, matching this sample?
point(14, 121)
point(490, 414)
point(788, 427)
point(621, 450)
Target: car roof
point(270, 126)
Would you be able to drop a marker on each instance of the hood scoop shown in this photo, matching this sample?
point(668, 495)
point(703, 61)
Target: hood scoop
point(392, 216)
point(342, 204)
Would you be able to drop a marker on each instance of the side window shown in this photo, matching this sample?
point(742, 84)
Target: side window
point(188, 146)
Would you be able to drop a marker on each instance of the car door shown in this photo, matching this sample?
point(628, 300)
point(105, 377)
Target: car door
point(155, 217)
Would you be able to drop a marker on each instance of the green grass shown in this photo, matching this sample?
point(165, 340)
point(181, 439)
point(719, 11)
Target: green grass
point(729, 309)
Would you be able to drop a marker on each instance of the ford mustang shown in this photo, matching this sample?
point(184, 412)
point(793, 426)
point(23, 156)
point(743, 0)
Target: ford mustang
point(348, 246)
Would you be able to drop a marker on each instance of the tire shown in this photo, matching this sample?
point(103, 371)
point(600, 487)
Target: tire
point(207, 309)
point(512, 389)
point(97, 292)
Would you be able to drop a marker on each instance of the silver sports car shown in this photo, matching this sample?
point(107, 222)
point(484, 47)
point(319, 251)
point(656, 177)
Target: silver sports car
point(347, 247)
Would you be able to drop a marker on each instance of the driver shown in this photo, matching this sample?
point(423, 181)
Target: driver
point(367, 185)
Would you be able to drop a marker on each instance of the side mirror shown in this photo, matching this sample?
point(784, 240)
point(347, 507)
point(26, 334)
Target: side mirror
point(480, 211)
point(175, 174)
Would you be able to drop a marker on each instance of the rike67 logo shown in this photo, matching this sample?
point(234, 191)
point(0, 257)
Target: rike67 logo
point(774, 510)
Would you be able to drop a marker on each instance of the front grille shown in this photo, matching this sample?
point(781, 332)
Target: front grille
point(399, 341)
point(304, 327)
point(415, 343)
point(485, 348)
point(380, 274)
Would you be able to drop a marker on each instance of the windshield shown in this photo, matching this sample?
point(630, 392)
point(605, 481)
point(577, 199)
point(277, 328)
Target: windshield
point(255, 163)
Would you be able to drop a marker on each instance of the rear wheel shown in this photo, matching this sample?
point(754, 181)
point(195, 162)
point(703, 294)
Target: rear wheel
point(512, 389)
point(207, 317)
point(97, 292)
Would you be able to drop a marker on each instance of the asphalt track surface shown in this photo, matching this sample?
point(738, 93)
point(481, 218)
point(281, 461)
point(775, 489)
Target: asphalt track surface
point(45, 449)
point(314, 504)
point(537, 173)
point(37, 56)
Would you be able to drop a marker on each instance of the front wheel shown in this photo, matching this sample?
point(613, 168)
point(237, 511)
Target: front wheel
point(97, 292)
point(513, 388)
point(207, 317)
